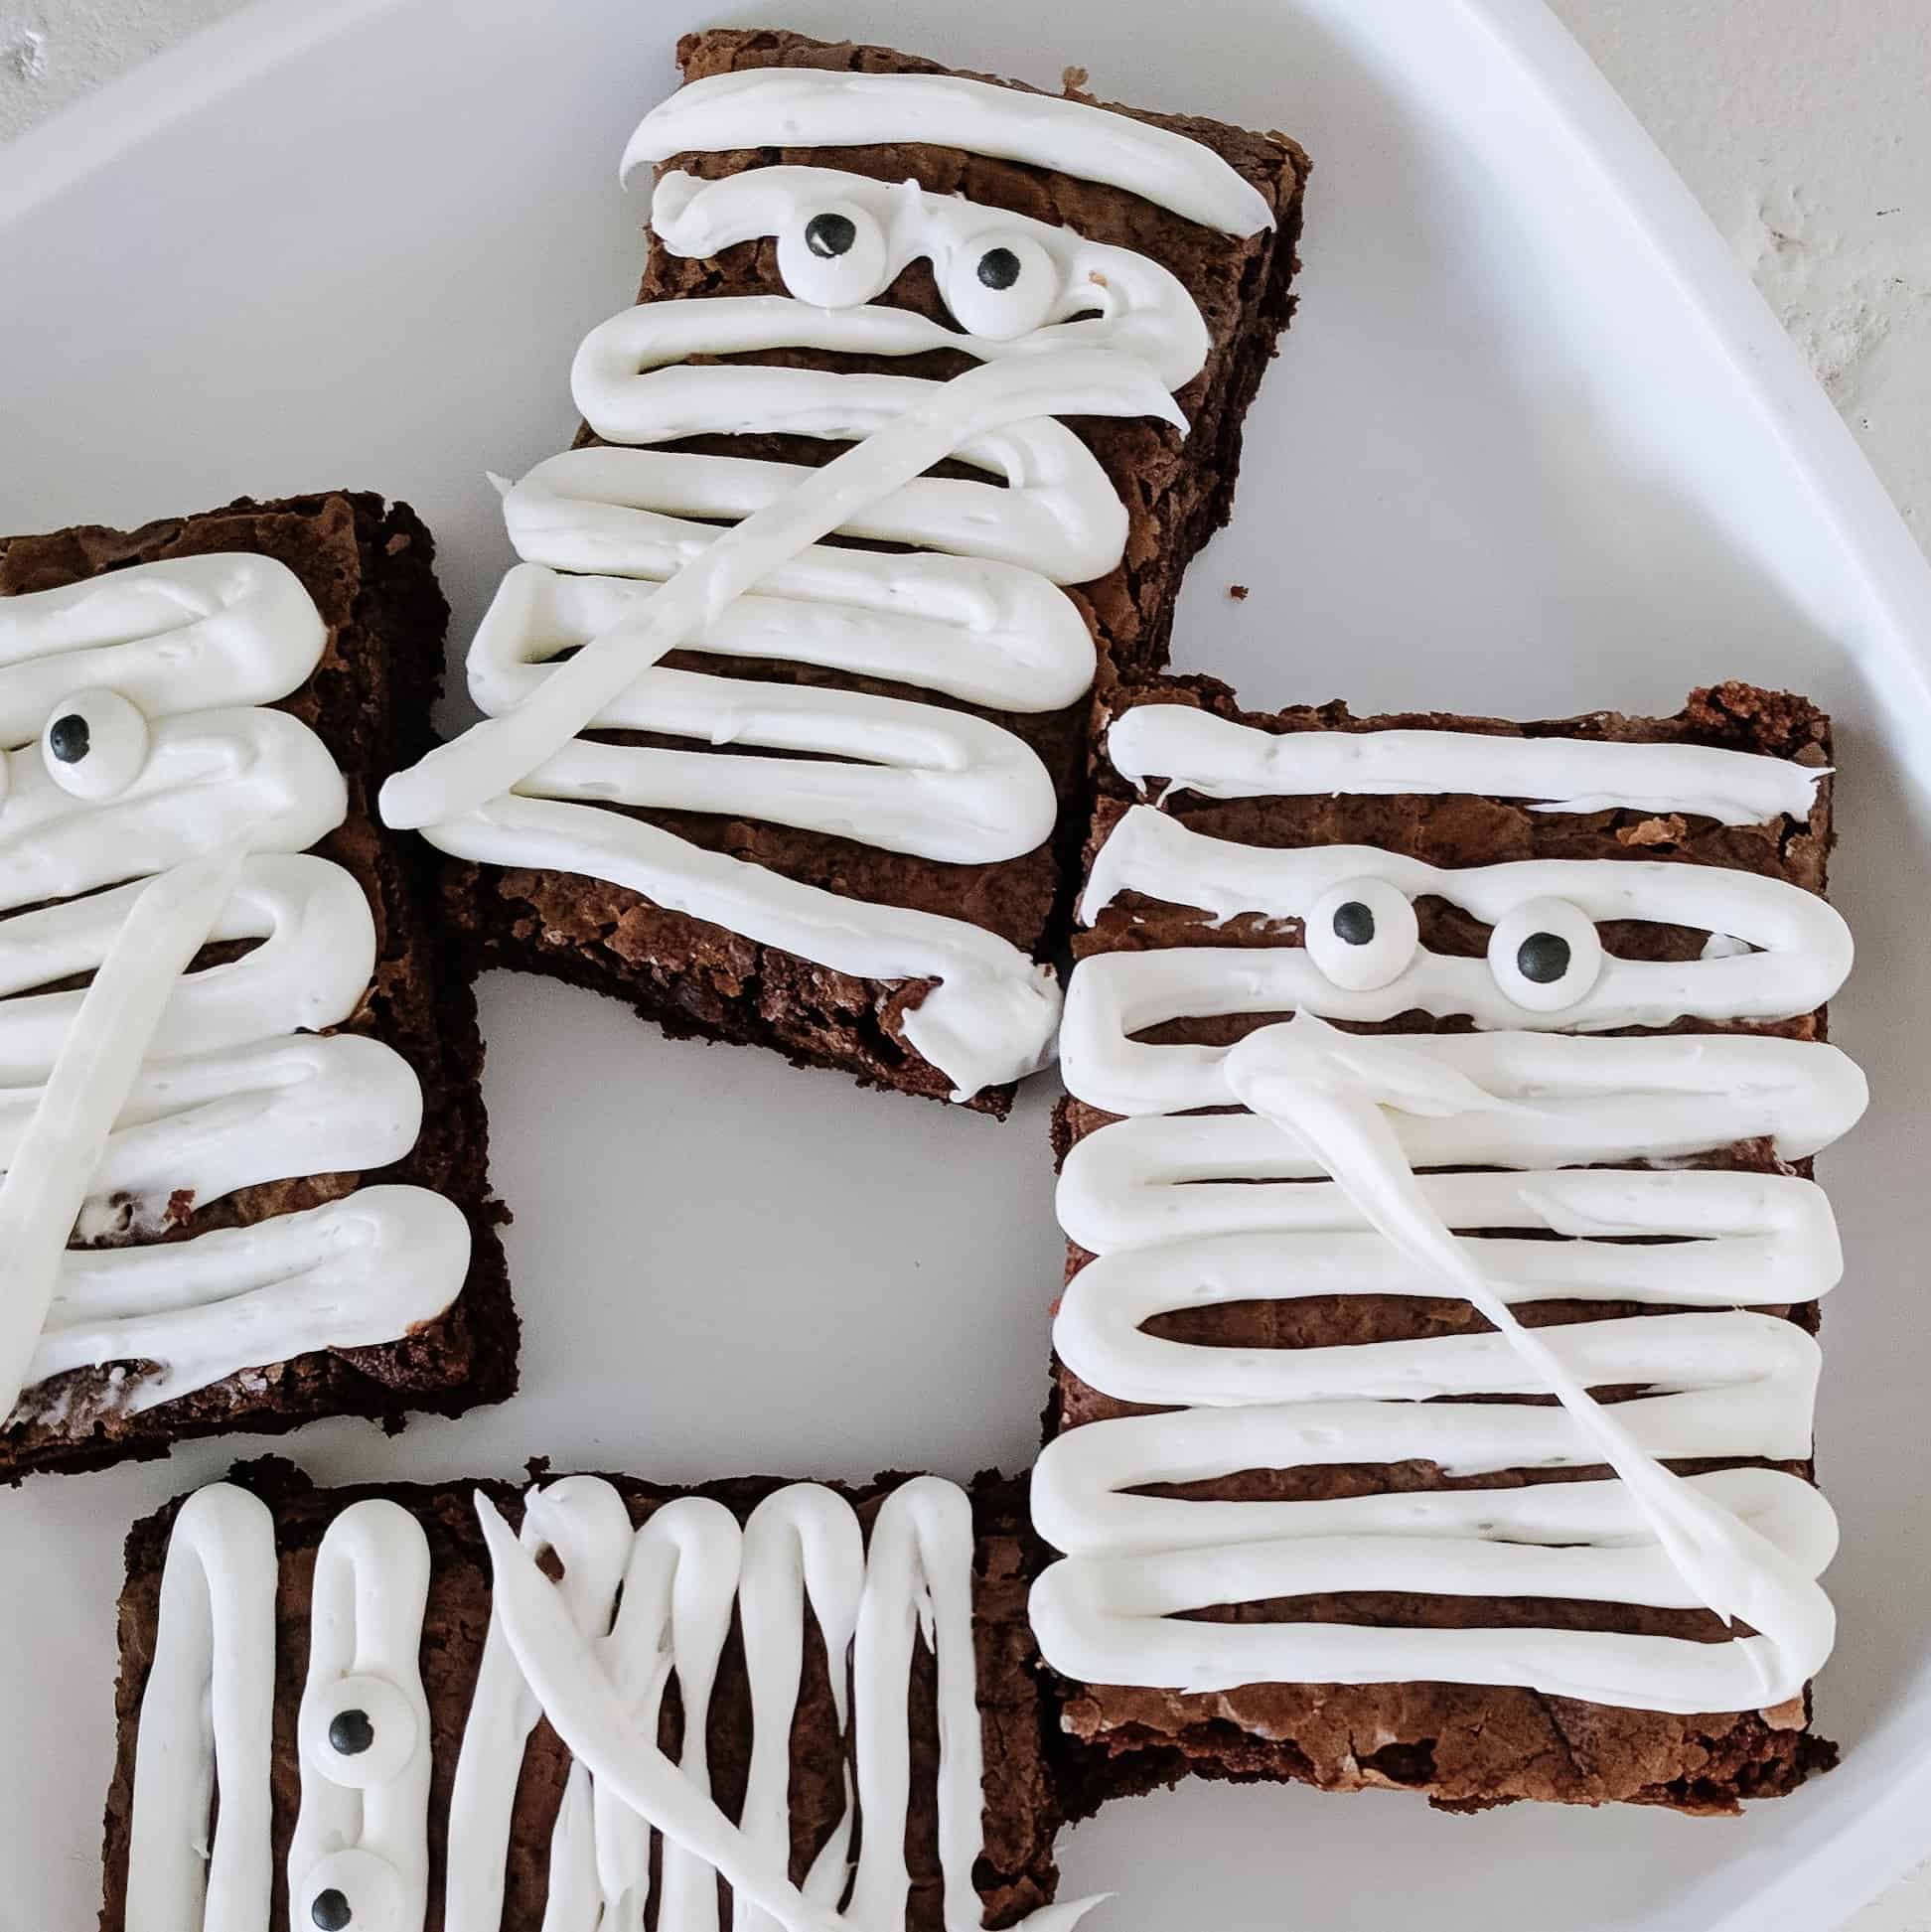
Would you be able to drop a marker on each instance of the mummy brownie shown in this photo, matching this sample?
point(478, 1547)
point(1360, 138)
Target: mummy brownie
point(765, 784)
point(198, 1063)
point(1320, 1515)
point(419, 1715)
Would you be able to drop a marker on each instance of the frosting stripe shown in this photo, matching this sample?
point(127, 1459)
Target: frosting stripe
point(359, 1853)
point(47, 1172)
point(206, 1717)
point(1196, 751)
point(599, 1658)
point(809, 107)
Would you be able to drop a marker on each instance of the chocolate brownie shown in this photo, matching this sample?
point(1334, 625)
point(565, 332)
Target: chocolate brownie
point(1013, 1874)
point(1466, 1745)
point(368, 565)
point(694, 976)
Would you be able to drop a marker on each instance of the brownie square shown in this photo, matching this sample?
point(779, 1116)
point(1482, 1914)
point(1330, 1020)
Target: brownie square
point(697, 979)
point(1465, 1747)
point(369, 566)
point(1014, 1875)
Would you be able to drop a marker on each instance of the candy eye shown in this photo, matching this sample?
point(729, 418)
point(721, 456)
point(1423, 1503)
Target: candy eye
point(836, 260)
point(352, 1891)
point(359, 1732)
point(1545, 955)
point(1362, 934)
point(1001, 285)
point(94, 745)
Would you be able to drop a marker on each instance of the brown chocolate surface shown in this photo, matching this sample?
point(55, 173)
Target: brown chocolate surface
point(1014, 1875)
point(1465, 1747)
point(694, 978)
point(370, 567)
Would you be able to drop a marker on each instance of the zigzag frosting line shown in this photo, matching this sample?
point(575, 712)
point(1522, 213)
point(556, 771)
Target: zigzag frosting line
point(1166, 1200)
point(1059, 327)
point(135, 789)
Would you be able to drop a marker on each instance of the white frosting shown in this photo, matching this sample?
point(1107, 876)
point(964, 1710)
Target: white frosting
point(193, 634)
point(1059, 327)
point(1089, 295)
point(1166, 1200)
point(1804, 945)
point(584, 1521)
point(808, 108)
point(363, 1827)
point(600, 1679)
point(1195, 751)
point(260, 778)
point(48, 1170)
point(351, 1273)
point(941, 783)
point(207, 1719)
point(161, 810)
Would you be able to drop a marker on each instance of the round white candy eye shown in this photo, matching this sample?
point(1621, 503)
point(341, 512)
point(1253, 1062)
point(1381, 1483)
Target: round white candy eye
point(350, 1891)
point(360, 1731)
point(1362, 934)
point(835, 259)
point(1001, 285)
point(1545, 955)
point(95, 744)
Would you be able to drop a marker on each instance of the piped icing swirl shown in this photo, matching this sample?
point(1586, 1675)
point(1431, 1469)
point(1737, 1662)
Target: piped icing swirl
point(1165, 1199)
point(149, 807)
point(1059, 326)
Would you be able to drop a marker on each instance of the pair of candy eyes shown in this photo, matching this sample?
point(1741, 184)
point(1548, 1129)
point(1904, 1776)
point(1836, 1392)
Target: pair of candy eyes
point(995, 285)
point(94, 745)
point(361, 1735)
point(1545, 954)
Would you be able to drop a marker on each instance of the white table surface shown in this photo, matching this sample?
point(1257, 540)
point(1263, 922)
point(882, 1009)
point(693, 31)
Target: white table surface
point(1807, 139)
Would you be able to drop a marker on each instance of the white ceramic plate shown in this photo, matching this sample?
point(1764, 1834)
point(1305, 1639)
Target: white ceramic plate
point(1533, 445)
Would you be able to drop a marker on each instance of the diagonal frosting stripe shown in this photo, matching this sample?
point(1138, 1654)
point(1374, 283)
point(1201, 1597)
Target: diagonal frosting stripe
point(47, 1182)
point(808, 107)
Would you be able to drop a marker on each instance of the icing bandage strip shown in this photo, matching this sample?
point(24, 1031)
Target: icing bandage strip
point(1218, 758)
point(811, 107)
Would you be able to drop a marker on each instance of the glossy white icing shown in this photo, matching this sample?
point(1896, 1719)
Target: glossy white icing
point(48, 1170)
point(1167, 1199)
point(808, 108)
point(193, 634)
point(1802, 944)
point(360, 1852)
point(351, 1273)
point(1058, 327)
point(151, 806)
point(1195, 751)
point(207, 1718)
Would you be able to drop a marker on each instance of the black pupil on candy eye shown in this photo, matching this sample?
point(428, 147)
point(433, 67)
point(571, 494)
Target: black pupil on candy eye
point(1542, 958)
point(998, 268)
point(331, 1911)
point(830, 235)
point(1354, 924)
point(350, 1732)
point(67, 738)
